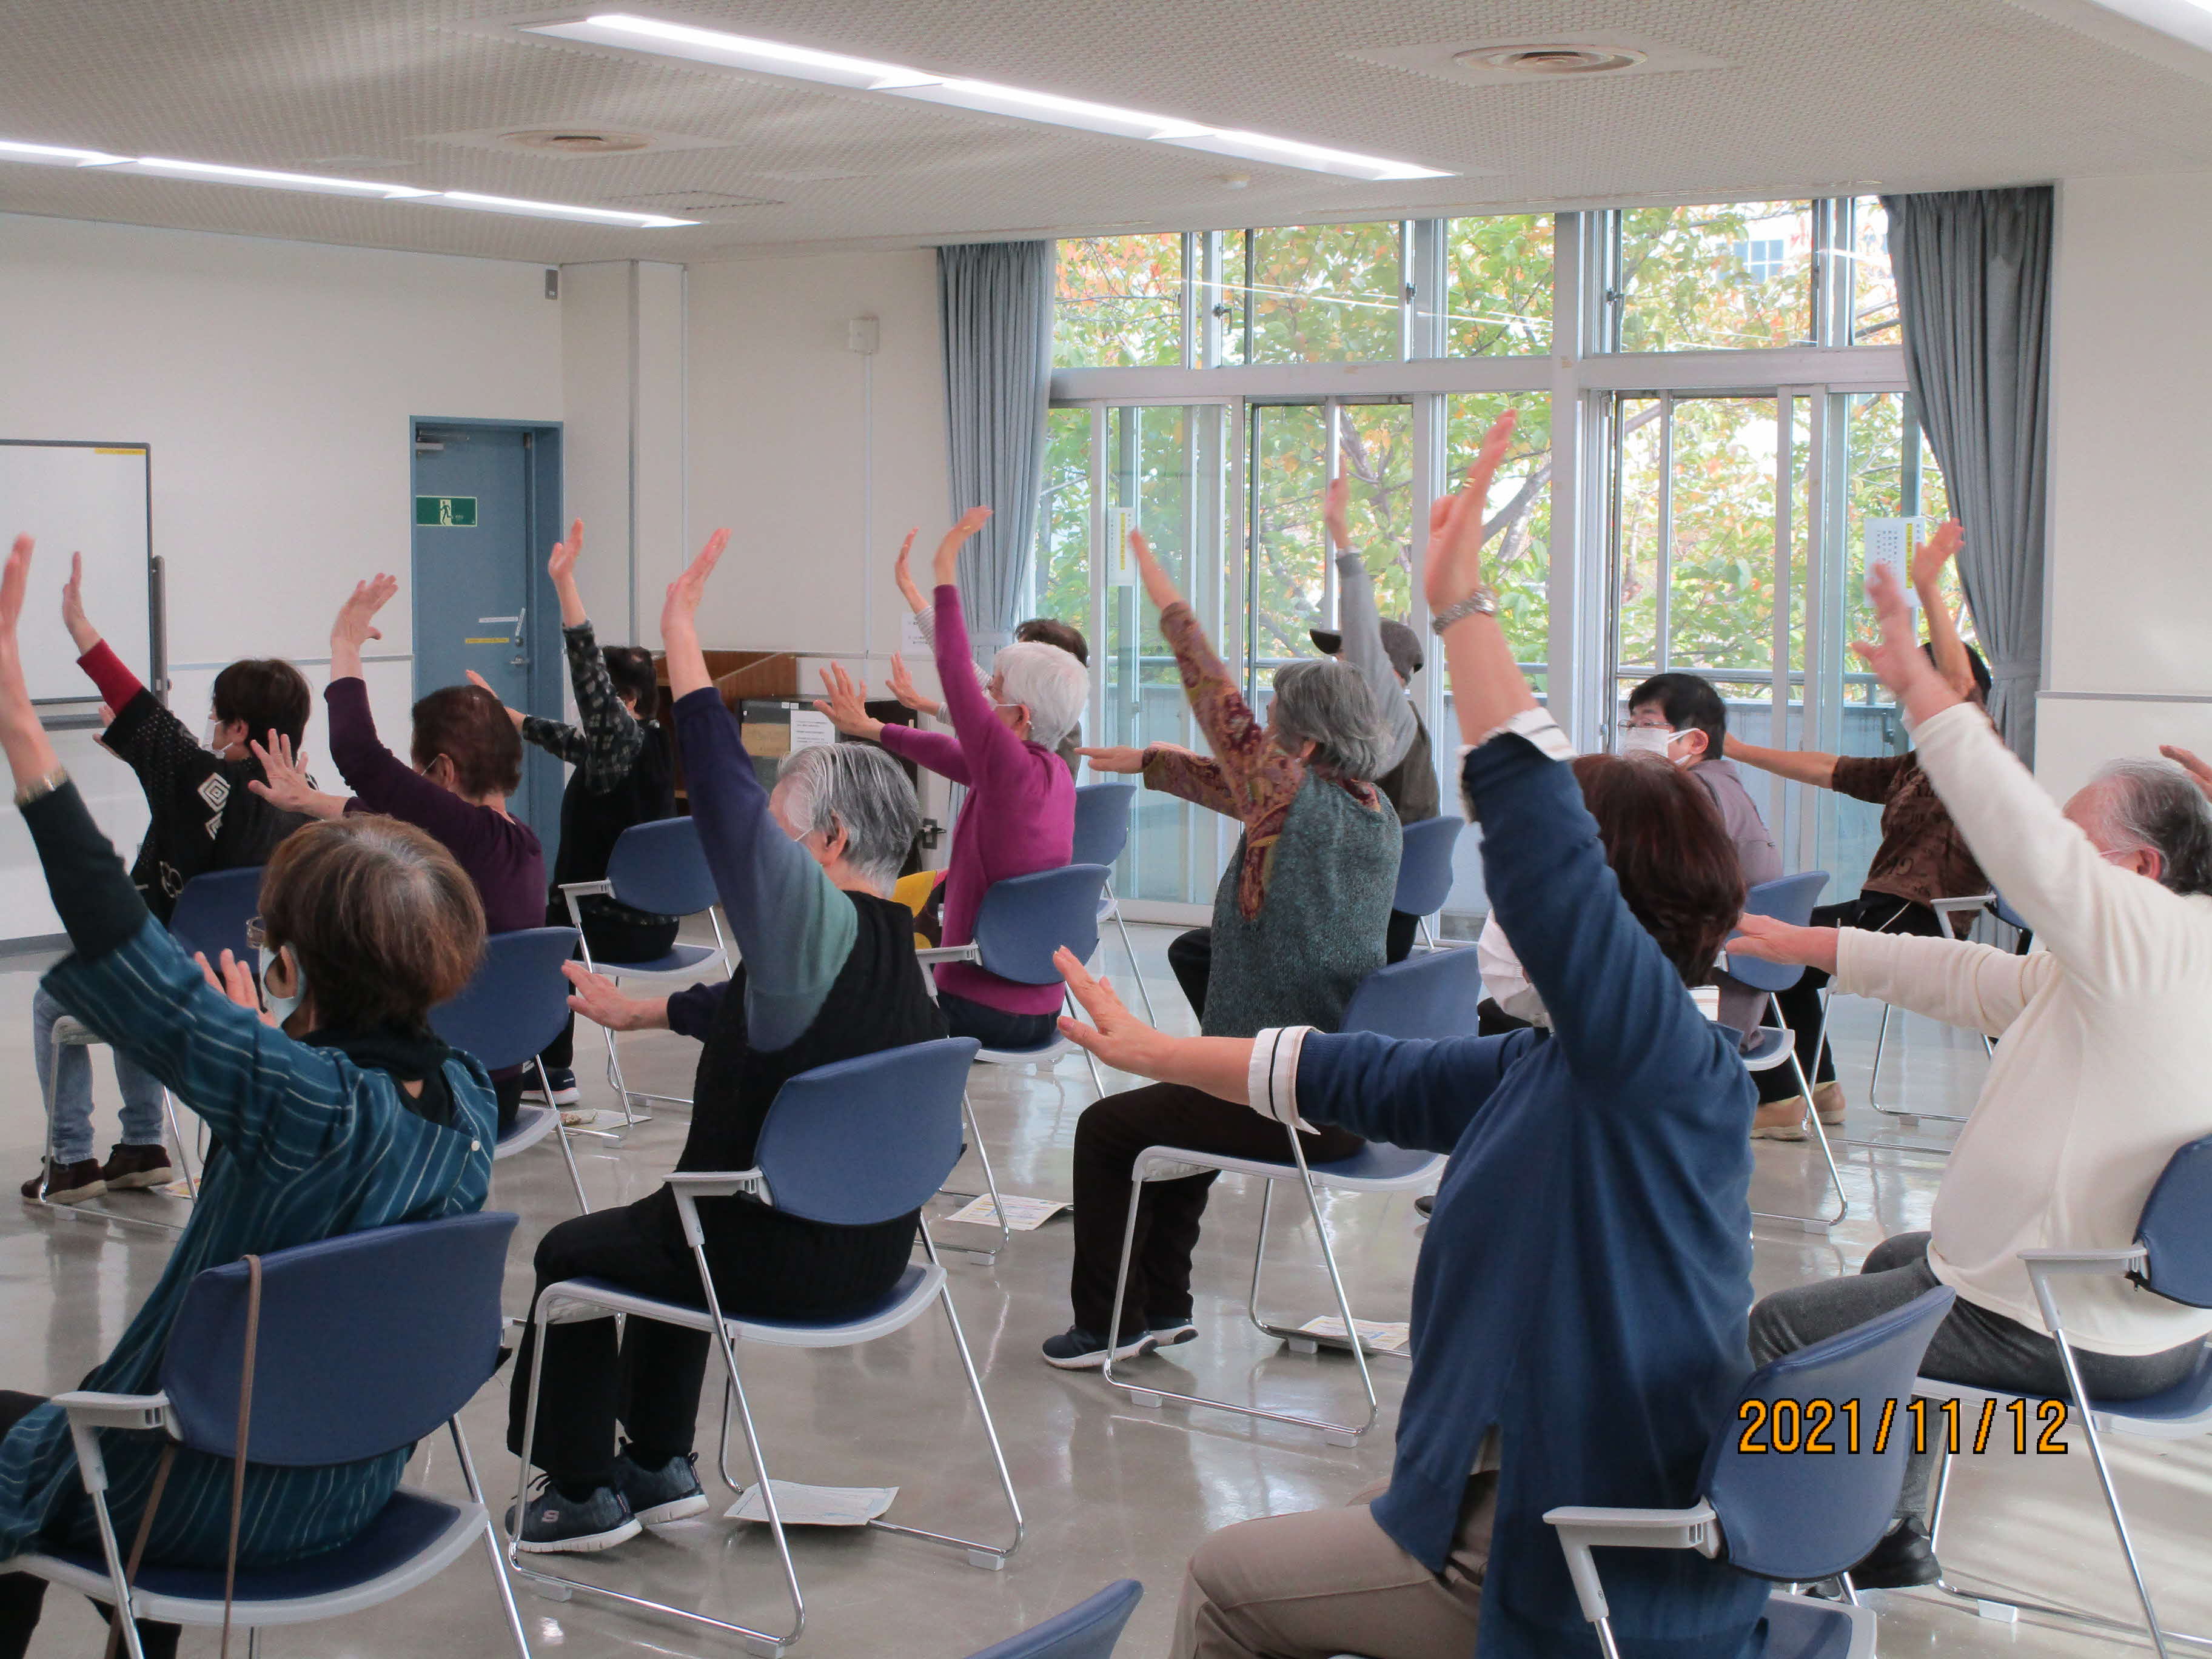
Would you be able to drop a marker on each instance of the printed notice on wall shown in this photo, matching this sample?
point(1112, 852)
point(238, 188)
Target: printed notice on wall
point(911, 638)
point(810, 729)
point(1891, 542)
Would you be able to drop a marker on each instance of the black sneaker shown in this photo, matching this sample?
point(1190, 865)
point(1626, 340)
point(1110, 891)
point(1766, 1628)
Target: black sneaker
point(137, 1166)
point(666, 1492)
point(1170, 1333)
point(1078, 1350)
point(66, 1183)
point(1905, 1557)
point(556, 1524)
point(562, 1082)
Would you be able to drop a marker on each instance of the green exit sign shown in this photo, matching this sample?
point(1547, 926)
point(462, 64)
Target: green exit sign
point(446, 511)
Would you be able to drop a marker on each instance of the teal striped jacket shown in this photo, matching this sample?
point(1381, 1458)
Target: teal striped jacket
point(312, 1147)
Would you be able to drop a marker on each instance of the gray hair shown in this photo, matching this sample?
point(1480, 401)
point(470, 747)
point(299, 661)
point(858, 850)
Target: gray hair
point(862, 788)
point(2154, 804)
point(1046, 681)
point(1326, 702)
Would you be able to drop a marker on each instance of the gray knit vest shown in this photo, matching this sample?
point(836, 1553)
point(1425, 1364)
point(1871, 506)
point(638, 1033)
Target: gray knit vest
point(1320, 930)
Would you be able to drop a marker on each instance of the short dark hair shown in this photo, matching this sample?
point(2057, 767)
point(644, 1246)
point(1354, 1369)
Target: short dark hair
point(630, 668)
point(1677, 868)
point(1050, 630)
point(1690, 704)
point(268, 693)
point(1975, 666)
point(383, 923)
point(468, 727)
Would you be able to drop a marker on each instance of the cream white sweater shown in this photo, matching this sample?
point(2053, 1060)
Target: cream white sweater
point(2106, 1066)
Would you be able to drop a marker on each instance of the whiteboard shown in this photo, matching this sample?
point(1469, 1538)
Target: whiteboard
point(88, 498)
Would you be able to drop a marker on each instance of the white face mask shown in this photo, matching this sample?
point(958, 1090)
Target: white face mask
point(208, 736)
point(283, 1008)
point(1644, 740)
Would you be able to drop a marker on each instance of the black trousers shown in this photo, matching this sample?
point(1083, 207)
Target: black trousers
point(994, 1028)
point(22, 1597)
point(611, 941)
point(1398, 942)
point(1108, 1138)
point(1879, 912)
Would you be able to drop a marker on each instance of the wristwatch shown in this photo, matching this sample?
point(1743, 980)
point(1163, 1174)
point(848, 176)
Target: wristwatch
point(1483, 602)
point(39, 788)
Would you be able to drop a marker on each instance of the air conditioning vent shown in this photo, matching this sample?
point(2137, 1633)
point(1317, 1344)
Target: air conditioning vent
point(576, 141)
point(1551, 59)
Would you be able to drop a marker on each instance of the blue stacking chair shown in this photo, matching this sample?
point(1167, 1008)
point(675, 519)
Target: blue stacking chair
point(1101, 830)
point(2171, 1257)
point(368, 1342)
point(1790, 899)
point(1426, 996)
point(659, 868)
point(1425, 870)
point(1089, 1630)
point(516, 1003)
point(1792, 1517)
point(1022, 921)
point(210, 917)
point(849, 1145)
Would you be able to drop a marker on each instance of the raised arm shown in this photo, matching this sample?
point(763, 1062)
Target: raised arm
point(793, 927)
point(989, 742)
point(1928, 562)
point(144, 735)
point(1798, 765)
point(1360, 628)
point(612, 735)
point(844, 700)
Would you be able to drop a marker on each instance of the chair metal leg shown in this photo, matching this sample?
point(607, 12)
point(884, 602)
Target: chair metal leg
point(1068, 1001)
point(1874, 1078)
point(1813, 1223)
point(990, 1185)
point(81, 1211)
point(1136, 972)
point(1429, 934)
point(491, 1542)
point(177, 1138)
point(561, 1131)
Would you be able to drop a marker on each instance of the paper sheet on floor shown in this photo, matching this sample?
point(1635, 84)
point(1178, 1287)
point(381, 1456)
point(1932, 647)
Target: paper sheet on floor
point(1379, 1338)
point(1024, 1215)
point(591, 1118)
point(799, 1505)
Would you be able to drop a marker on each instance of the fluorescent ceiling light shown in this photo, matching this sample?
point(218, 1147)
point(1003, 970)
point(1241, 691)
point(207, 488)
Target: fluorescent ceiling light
point(650, 35)
point(216, 172)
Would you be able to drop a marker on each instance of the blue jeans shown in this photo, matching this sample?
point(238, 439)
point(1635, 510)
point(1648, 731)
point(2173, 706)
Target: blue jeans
point(72, 1089)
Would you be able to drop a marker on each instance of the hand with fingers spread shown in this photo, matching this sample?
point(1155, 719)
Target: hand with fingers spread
point(846, 704)
point(1454, 566)
point(679, 620)
point(597, 999)
point(483, 684)
point(1114, 1035)
point(81, 633)
point(356, 625)
point(1120, 758)
point(235, 981)
point(1766, 939)
point(562, 567)
point(903, 687)
point(1159, 586)
point(902, 570)
point(1932, 554)
point(2199, 772)
point(946, 568)
point(1896, 657)
point(288, 788)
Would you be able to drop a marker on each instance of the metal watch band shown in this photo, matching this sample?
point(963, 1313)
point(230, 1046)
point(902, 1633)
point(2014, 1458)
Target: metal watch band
point(39, 788)
point(1483, 602)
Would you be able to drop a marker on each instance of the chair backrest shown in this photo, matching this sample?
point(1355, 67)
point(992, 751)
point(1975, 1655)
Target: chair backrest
point(660, 867)
point(1024, 919)
point(1102, 821)
point(1798, 1496)
point(516, 1003)
point(1432, 995)
point(1087, 1631)
point(2007, 914)
point(367, 1341)
point(1791, 899)
point(2176, 1227)
point(212, 912)
point(1425, 865)
point(864, 1140)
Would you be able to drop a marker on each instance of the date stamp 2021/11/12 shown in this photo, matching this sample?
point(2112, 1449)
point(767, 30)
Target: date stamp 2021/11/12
point(1837, 1425)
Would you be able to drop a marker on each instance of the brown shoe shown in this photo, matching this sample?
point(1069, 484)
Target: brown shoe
point(1828, 1102)
point(67, 1183)
point(1780, 1120)
point(137, 1166)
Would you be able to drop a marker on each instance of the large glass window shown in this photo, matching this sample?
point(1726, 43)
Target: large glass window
point(1120, 302)
point(1063, 546)
point(1728, 276)
point(1311, 294)
point(1865, 248)
point(1498, 285)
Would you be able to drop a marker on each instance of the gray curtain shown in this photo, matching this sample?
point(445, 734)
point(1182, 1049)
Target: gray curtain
point(995, 301)
point(1973, 289)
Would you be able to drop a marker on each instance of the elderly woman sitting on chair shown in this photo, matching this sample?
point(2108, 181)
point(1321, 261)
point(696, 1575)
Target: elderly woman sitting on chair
point(1579, 1303)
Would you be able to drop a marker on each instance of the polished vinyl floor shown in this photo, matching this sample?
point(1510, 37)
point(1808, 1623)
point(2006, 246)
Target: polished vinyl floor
point(1108, 1489)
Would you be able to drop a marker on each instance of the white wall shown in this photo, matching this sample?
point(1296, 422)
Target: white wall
point(275, 382)
point(2129, 588)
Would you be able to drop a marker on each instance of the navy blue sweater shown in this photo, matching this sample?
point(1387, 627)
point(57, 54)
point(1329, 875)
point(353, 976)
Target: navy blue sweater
point(1586, 1277)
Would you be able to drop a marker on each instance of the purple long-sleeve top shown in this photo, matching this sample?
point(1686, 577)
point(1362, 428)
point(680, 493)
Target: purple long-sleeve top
point(502, 856)
point(1019, 818)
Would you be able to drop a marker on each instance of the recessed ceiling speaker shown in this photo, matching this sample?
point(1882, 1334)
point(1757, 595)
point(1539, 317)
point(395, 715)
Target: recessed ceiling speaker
point(577, 141)
point(1551, 59)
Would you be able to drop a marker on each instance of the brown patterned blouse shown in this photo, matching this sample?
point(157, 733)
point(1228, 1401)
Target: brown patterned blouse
point(1249, 777)
point(1923, 857)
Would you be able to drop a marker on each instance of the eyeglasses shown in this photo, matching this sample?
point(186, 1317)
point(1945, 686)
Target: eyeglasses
point(256, 935)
